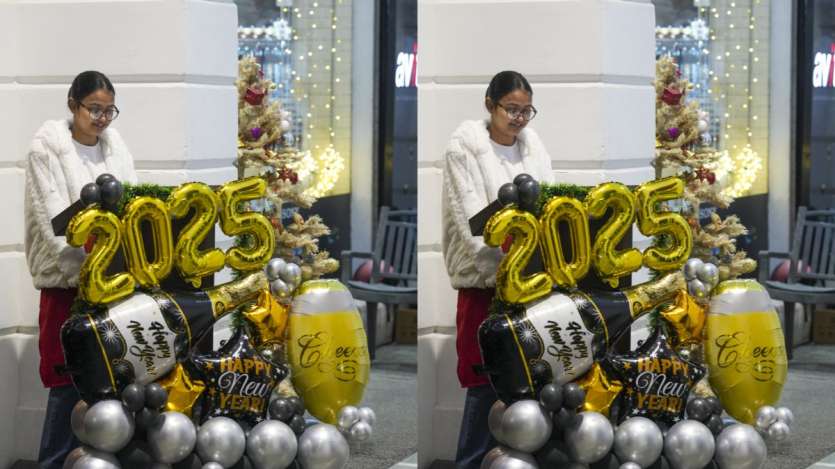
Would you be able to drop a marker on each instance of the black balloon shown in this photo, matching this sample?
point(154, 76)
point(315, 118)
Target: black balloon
point(715, 405)
point(508, 194)
point(656, 380)
point(553, 454)
point(282, 409)
point(699, 409)
point(134, 397)
point(711, 465)
point(565, 417)
point(297, 424)
point(155, 396)
point(145, 418)
point(111, 192)
point(192, 461)
point(528, 194)
point(136, 455)
point(573, 395)
point(297, 403)
point(238, 380)
point(104, 178)
point(715, 424)
point(610, 461)
point(522, 178)
point(90, 194)
point(551, 397)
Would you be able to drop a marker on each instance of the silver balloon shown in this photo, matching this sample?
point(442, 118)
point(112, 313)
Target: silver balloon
point(77, 420)
point(512, 459)
point(74, 456)
point(292, 274)
point(108, 425)
point(347, 416)
point(589, 437)
point(697, 289)
point(492, 455)
point(367, 415)
point(638, 440)
point(172, 437)
point(273, 268)
point(630, 465)
point(321, 446)
point(708, 274)
point(95, 459)
point(778, 431)
point(766, 415)
point(526, 426)
point(689, 444)
point(221, 440)
point(212, 465)
point(360, 431)
point(785, 415)
point(280, 289)
point(494, 420)
point(739, 446)
point(691, 268)
point(271, 445)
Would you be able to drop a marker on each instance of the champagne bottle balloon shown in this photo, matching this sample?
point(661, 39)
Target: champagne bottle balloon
point(557, 339)
point(141, 338)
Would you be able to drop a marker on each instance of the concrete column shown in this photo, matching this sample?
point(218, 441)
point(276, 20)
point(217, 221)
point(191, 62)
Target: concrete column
point(591, 65)
point(173, 64)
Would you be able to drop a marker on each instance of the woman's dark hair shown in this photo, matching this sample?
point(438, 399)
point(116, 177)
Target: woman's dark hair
point(88, 82)
point(506, 82)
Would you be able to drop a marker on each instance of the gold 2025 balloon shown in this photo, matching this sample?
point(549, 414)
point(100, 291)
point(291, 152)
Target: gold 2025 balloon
point(327, 348)
point(193, 263)
point(94, 286)
point(153, 210)
point(652, 223)
point(511, 286)
point(610, 263)
point(745, 348)
point(574, 213)
point(234, 223)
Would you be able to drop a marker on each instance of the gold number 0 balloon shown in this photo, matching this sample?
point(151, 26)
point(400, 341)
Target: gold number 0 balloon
point(651, 222)
point(610, 263)
point(153, 210)
point(93, 285)
point(511, 287)
point(574, 213)
point(233, 223)
point(192, 263)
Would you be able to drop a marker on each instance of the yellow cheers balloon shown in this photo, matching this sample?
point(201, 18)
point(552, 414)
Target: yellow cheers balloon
point(327, 348)
point(745, 349)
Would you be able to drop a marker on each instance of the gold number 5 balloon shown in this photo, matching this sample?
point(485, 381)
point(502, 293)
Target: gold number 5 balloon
point(610, 263)
point(192, 263)
point(233, 222)
point(652, 222)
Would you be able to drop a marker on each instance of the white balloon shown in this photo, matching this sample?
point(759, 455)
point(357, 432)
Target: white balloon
point(367, 415)
point(271, 445)
point(689, 444)
point(108, 425)
point(590, 437)
point(347, 416)
point(322, 446)
point(778, 431)
point(526, 426)
point(172, 437)
point(766, 415)
point(360, 431)
point(785, 415)
point(739, 446)
point(221, 440)
point(638, 440)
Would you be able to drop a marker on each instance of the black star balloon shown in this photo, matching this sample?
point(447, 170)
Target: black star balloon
point(238, 380)
point(656, 380)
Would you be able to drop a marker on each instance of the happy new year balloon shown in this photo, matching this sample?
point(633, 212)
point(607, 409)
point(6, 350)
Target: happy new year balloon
point(327, 348)
point(745, 348)
point(656, 380)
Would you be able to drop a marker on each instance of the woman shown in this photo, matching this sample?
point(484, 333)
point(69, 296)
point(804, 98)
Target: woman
point(482, 156)
point(64, 156)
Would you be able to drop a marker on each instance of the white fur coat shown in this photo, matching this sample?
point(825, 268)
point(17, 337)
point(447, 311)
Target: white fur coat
point(473, 173)
point(55, 174)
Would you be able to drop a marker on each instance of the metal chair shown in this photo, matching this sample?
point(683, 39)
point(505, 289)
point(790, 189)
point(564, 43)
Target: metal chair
point(813, 245)
point(395, 250)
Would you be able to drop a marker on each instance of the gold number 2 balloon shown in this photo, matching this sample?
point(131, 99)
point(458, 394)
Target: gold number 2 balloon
point(570, 210)
point(610, 263)
point(93, 285)
point(193, 263)
point(154, 211)
point(651, 222)
point(234, 223)
point(511, 287)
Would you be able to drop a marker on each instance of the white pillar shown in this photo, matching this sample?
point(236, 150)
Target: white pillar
point(591, 66)
point(173, 64)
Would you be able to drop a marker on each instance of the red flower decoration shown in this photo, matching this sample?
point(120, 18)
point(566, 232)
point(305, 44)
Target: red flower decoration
point(254, 96)
point(288, 174)
point(705, 174)
point(671, 96)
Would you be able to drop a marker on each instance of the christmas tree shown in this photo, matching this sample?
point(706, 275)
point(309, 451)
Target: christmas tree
point(292, 176)
point(711, 176)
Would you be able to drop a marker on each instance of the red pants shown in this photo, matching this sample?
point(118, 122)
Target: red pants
point(473, 305)
point(54, 310)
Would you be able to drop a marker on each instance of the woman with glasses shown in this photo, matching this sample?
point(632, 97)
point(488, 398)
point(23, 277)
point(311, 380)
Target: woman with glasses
point(482, 156)
point(63, 157)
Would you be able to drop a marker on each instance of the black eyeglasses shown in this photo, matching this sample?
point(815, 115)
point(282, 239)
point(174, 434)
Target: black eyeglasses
point(96, 113)
point(527, 112)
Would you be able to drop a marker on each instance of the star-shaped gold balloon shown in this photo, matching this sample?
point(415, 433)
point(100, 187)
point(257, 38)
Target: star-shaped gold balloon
point(269, 317)
point(600, 390)
point(183, 391)
point(687, 318)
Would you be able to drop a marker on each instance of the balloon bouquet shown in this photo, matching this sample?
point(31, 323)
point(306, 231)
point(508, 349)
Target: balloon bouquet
point(566, 399)
point(150, 399)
